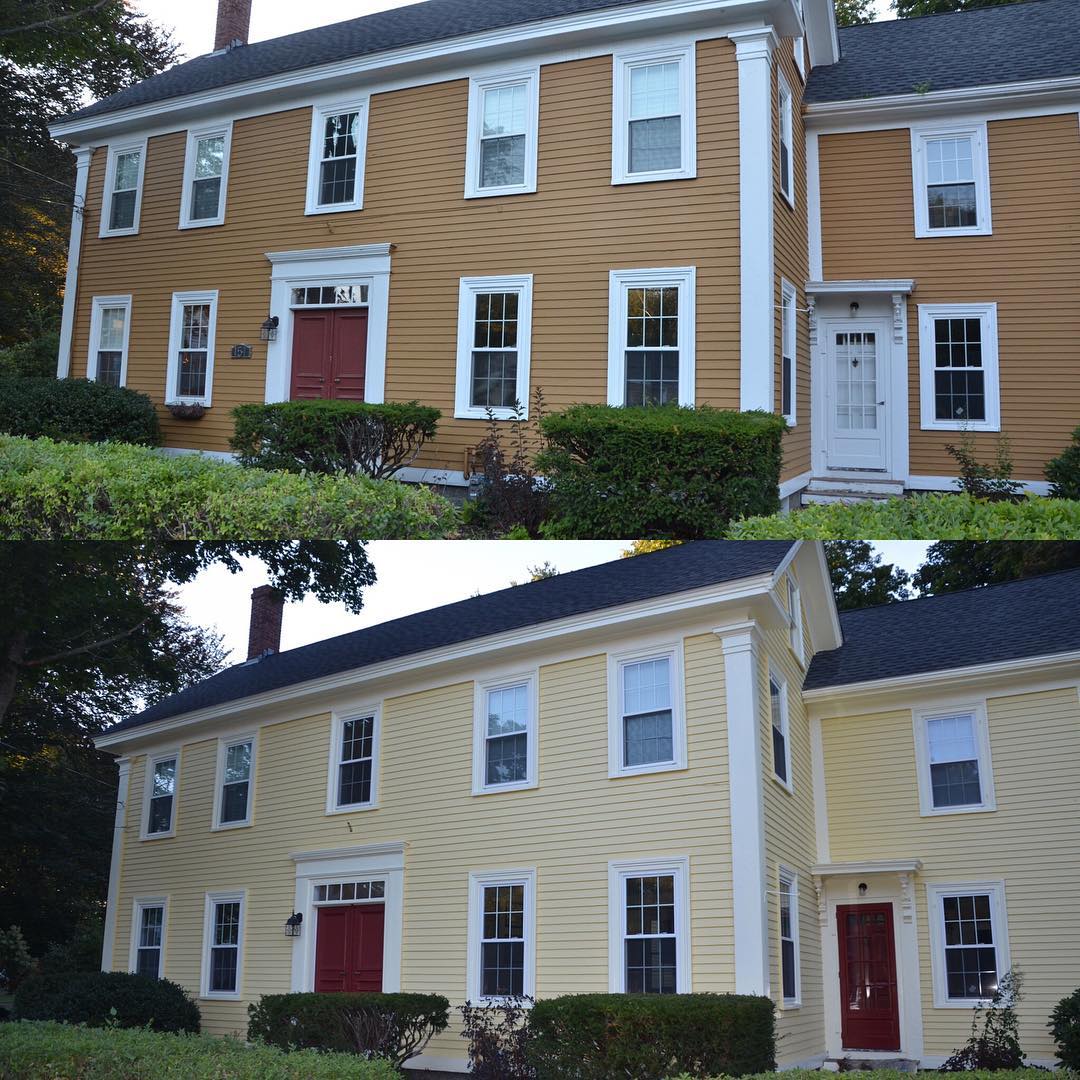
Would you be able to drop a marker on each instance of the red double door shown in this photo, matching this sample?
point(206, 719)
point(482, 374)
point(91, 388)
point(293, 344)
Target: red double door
point(869, 1004)
point(329, 354)
point(349, 949)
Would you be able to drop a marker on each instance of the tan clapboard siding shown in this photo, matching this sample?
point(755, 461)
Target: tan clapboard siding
point(1029, 266)
point(1029, 841)
point(568, 828)
point(569, 234)
point(792, 263)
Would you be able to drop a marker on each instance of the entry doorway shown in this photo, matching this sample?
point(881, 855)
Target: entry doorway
point(869, 999)
point(349, 949)
point(329, 354)
point(858, 356)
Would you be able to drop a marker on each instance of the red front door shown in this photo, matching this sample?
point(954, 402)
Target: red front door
point(329, 355)
point(869, 1006)
point(349, 949)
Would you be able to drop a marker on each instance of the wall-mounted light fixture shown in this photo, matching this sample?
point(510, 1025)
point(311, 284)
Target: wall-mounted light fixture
point(863, 888)
point(268, 330)
point(293, 924)
point(854, 309)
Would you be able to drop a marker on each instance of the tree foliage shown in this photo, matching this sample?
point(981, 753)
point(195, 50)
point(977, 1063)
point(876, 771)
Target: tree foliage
point(909, 9)
point(952, 565)
point(861, 577)
point(854, 12)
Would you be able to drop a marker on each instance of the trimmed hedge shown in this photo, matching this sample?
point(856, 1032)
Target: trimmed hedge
point(662, 472)
point(921, 517)
point(642, 1037)
point(1065, 1029)
point(1064, 471)
point(391, 1026)
point(889, 1074)
point(37, 1051)
point(333, 436)
point(51, 491)
point(77, 410)
point(98, 998)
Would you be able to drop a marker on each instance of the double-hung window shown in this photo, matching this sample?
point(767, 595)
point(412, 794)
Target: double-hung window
point(502, 134)
point(501, 935)
point(159, 797)
point(336, 163)
point(789, 937)
point(788, 345)
point(505, 750)
point(236, 766)
point(206, 177)
point(953, 760)
point(494, 347)
point(123, 190)
point(778, 715)
point(190, 378)
point(148, 936)
point(110, 327)
point(969, 941)
point(223, 943)
point(952, 182)
point(649, 926)
point(958, 367)
point(787, 151)
point(795, 631)
point(652, 336)
point(655, 125)
point(354, 761)
point(647, 725)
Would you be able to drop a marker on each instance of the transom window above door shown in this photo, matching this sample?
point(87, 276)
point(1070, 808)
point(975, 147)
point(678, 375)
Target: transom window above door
point(329, 296)
point(349, 892)
point(952, 182)
point(336, 158)
point(958, 367)
point(502, 134)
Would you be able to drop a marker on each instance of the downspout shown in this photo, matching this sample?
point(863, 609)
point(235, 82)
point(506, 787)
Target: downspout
point(67, 324)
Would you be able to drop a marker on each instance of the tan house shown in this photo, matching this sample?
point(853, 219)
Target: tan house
point(727, 202)
point(678, 772)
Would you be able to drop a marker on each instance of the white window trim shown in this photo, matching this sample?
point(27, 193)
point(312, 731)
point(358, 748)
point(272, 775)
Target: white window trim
point(785, 126)
point(97, 306)
point(789, 784)
point(982, 745)
point(219, 780)
point(624, 62)
point(213, 898)
point(618, 871)
point(480, 786)
point(789, 292)
point(798, 646)
point(790, 878)
point(987, 313)
point(522, 284)
point(478, 881)
point(981, 167)
point(934, 896)
point(179, 299)
point(672, 652)
point(619, 282)
point(152, 761)
point(319, 113)
point(337, 724)
point(137, 906)
point(193, 137)
point(478, 85)
point(139, 146)
point(800, 43)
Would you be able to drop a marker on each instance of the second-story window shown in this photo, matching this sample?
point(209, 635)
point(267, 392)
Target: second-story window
point(123, 190)
point(505, 751)
point(160, 811)
point(503, 124)
point(952, 182)
point(787, 152)
point(795, 630)
point(191, 348)
point(336, 166)
point(954, 761)
point(206, 171)
point(355, 752)
point(235, 770)
point(778, 713)
point(647, 728)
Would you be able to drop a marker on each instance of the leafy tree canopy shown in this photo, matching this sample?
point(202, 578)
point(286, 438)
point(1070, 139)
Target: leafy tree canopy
point(909, 9)
point(952, 565)
point(861, 577)
point(854, 12)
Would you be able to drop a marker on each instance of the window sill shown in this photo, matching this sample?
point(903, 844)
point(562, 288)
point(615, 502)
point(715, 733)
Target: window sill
point(952, 811)
point(228, 826)
point(359, 808)
point(791, 1006)
point(646, 770)
point(501, 414)
point(929, 234)
point(180, 403)
point(208, 224)
point(789, 199)
point(342, 208)
point(785, 784)
point(949, 425)
point(106, 233)
point(965, 1003)
point(654, 178)
point(158, 835)
point(497, 193)
point(499, 789)
point(219, 997)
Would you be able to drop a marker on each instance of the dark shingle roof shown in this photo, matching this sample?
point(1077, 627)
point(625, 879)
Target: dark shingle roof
point(1039, 39)
point(417, 24)
point(624, 581)
point(1033, 617)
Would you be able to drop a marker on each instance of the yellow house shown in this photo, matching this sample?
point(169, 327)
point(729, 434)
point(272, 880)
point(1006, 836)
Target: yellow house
point(683, 771)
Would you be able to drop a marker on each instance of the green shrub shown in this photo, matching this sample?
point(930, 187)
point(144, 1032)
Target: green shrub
point(80, 952)
point(670, 472)
point(107, 997)
point(1065, 1028)
point(333, 436)
point(994, 1043)
point(1064, 471)
point(61, 491)
point(921, 517)
point(33, 358)
point(15, 959)
point(34, 1051)
point(391, 1026)
point(888, 1074)
point(642, 1037)
point(77, 410)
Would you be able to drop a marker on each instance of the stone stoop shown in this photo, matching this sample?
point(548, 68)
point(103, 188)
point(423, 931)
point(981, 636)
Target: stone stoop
point(825, 490)
point(855, 1064)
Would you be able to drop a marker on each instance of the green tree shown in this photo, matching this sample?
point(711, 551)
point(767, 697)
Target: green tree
point(645, 547)
point(860, 576)
point(854, 12)
point(952, 565)
point(910, 9)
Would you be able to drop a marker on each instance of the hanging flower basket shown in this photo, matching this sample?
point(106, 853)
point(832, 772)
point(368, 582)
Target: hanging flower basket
point(188, 412)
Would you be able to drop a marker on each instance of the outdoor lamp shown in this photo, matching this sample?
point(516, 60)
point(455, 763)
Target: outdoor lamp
point(268, 330)
point(292, 924)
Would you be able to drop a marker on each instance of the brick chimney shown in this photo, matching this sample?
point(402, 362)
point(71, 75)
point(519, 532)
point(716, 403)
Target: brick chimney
point(267, 605)
point(233, 23)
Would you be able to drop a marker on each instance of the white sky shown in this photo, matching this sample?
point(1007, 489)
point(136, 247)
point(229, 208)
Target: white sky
point(193, 20)
point(413, 576)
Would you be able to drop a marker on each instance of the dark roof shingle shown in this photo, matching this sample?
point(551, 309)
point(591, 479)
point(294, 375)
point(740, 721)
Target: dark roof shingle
point(1008, 43)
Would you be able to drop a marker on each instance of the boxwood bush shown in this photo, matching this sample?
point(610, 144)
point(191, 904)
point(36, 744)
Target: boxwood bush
point(391, 1026)
point(670, 472)
point(107, 997)
point(52, 491)
point(642, 1037)
point(41, 1051)
point(333, 436)
point(921, 517)
point(1065, 1029)
point(1064, 471)
point(76, 410)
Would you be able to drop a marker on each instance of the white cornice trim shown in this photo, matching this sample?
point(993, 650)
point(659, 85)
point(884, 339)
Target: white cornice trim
point(357, 251)
point(359, 851)
point(882, 866)
point(904, 286)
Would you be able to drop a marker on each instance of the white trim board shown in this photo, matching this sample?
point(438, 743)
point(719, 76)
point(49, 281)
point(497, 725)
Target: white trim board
point(71, 282)
point(120, 823)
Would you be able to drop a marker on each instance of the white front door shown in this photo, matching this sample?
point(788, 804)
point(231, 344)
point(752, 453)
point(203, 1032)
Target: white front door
point(857, 354)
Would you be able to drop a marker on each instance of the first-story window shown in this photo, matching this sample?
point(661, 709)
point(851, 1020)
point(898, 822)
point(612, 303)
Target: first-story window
point(778, 713)
point(355, 748)
point(789, 936)
point(191, 348)
point(501, 935)
point(969, 938)
point(336, 166)
point(502, 134)
point(952, 182)
point(148, 937)
point(788, 345)
point(224, 935)
point(787, 147)
point(206, 173)
point(647, 725)
point(494, 347)
point(160, 794)
point(958, 367)
point(235, 758)
point(955, 772)
point(123, 190)
point(651, 337)
point(110, 327)
point(505, 739)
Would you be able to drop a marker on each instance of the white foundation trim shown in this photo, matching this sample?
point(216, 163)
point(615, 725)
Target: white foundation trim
point(71, 282)
point(119, 827)
point(949, 483)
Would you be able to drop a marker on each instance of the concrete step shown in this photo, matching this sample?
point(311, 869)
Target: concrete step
point(857, 1064)
point(846, 497)
point(866, 485)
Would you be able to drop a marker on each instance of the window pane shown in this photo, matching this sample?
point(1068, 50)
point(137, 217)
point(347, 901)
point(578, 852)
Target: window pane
point(238, 763)
point(952, 206)
point(223, 970)
point(227, 923)
point(339, 135)
point(650, 966)
point(160, 814)
point(502, 161)
point(779, 736)
point(655, 145)
point(504, 110)
point(952, 738)
point(508, 710)
point(949, 160)
point(209, 157)
point(504, 969)
point(971, 973)
point(647, 686)
point(148, 963)
point(234, 800)
point(358, 738)
point(787, 958)
point(355, 783)
point(654, 91)
point(164, 780)
point(337, 181)
point(150, 927)
point(127, 172)
point(192, 380)
point(503, 941)
point(652, 378)
point(204, 202)
point(122, 212)
point(648, 739)
point(507, 759)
